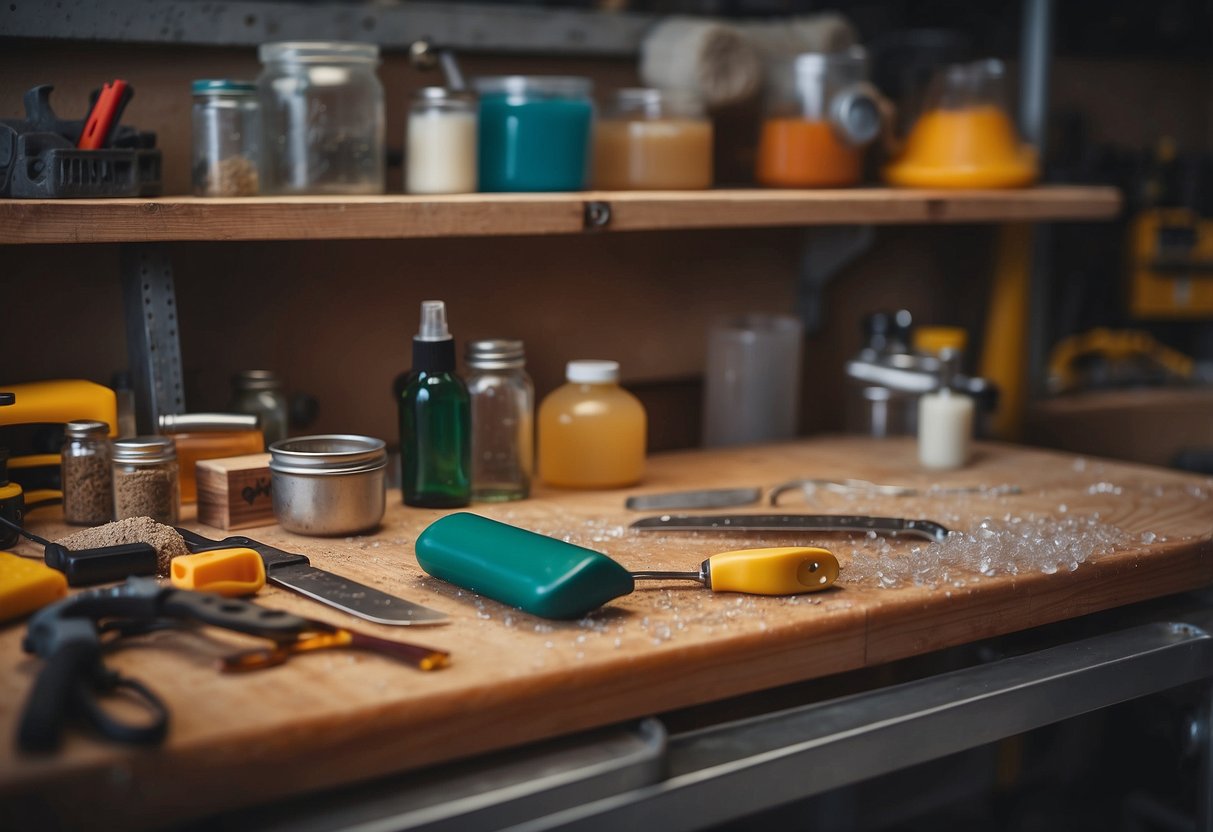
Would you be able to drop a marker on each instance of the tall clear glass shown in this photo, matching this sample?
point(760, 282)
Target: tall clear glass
point(323, 116)
point(503, 421)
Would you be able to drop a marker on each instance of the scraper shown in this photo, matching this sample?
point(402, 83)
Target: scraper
point(554, 579)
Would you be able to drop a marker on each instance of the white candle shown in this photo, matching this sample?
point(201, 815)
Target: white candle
point(945, 428)
point(441, 153)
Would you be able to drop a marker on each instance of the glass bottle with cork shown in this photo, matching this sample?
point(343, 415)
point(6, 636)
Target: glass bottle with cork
point(591, 430)
point(503, 420)
point(435, 419)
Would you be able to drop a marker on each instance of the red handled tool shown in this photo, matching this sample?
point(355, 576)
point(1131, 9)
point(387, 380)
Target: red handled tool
point(105, 114)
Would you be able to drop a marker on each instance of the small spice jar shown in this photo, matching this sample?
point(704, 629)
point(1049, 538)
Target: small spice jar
point(503, 420)
point(227, 138)
point(88, 489)
point(650, 139)
point(145, 479)
point(441, 142)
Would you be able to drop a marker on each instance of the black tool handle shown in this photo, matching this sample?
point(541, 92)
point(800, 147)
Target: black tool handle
point(65, 675)
point(85, 567)
point(236, 614)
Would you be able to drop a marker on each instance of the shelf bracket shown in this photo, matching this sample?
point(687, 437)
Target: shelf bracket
point(824, 252)
point(152, 345)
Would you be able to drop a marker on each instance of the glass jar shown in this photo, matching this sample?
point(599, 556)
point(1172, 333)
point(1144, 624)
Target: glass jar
point(88, 489)
point(441, 143)
point(145, 479)
point(227, 138)
point(592, 432)
point(503, 414)
point(259, 392)
point(534, 132)
point(652, 139)
point(820, 114)
point(322, 117)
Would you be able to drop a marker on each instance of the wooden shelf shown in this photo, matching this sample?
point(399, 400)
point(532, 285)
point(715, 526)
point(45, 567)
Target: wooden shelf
point(473, 215)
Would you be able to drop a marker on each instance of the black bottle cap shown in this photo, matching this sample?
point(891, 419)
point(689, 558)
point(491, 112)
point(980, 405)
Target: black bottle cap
point(434, 356)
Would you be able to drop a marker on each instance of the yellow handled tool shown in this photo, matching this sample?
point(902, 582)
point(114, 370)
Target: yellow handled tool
point(787, 570)
point(227, 572)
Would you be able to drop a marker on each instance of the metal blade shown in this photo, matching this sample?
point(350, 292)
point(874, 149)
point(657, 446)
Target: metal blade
point(352, 597)
point(792, 523)
point(710, 498)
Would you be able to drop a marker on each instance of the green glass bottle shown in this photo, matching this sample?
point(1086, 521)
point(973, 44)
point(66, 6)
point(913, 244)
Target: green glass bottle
point(435, 420)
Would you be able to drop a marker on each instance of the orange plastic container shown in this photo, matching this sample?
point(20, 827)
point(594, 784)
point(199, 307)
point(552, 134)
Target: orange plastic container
point(965, 138)
point(591, 430)
point(797, 153)
point(215, 444)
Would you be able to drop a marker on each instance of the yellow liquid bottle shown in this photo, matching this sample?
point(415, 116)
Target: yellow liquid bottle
point(591, 430)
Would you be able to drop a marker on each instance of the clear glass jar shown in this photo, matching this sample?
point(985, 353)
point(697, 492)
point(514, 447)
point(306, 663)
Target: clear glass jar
point(441, 143)
point(227, 138)
point(820, 114)
point(322, 116)
point(534, 132)
point(88, 489)
point(503, 421)
point(146, 480)
point(259, 392)
point(649, 139)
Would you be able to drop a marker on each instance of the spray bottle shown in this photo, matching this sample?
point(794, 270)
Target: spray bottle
point(435, 421)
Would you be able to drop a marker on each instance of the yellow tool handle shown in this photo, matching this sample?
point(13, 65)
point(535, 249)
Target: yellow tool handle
point(227, 572)
point(787, 570)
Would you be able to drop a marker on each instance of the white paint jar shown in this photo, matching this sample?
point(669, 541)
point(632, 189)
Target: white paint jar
point(440, 143)
point(945, 430)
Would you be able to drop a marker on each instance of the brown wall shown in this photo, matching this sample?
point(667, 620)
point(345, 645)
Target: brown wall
point(335, 317)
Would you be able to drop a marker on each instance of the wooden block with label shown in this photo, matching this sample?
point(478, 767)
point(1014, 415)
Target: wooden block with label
point(234, 493)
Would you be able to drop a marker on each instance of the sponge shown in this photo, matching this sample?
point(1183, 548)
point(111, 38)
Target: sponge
point(27, 585)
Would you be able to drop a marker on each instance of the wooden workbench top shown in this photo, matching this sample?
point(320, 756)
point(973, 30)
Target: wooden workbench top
point(1083, 535)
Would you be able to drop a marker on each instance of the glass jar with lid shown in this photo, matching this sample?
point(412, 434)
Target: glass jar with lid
point(649, 139)
point(441, 142)
point(820, 114)
point(227, 138)
point(146, 479)
point(88, 491)
point(259, 392)
point(323, 118)
point(503, 420)
point(534, 132)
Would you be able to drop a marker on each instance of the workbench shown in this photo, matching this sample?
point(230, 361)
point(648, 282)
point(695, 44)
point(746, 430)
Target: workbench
point(333, 718)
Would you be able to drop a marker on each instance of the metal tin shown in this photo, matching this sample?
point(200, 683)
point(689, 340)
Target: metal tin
point(330, 484)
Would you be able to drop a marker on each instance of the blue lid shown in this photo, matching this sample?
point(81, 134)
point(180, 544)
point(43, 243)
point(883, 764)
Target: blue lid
point(223, 85)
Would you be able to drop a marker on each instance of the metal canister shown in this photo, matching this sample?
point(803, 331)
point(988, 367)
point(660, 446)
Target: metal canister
point(331, 484)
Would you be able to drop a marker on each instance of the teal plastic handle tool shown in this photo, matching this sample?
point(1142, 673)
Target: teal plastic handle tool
point(537, 574)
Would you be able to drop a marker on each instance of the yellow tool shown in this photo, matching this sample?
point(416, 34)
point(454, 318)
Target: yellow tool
point(27, 585)
point(228, 572)
point(1171, 263)
point(787, 570)
point(1114, 346)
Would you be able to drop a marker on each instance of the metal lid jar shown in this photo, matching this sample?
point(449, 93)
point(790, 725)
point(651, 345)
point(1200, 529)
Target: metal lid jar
point(440, 142)
point(323, 115)
point(820, 114)
point(329, 484)
point(88, 489)
point(650, 139)
point(534, 132)
point(146, 480)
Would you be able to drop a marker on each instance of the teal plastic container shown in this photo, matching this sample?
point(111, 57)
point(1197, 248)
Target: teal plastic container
point(537, 574)
point(534, 133)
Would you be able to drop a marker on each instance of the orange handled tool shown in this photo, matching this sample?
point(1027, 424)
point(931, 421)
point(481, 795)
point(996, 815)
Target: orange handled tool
point(105, 114)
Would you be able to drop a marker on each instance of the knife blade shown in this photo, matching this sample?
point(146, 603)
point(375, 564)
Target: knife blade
point(295, 572)
point(927, 529)
point(707, 498)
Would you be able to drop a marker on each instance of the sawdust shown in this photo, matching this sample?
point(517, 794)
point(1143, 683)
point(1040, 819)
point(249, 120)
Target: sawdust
point(167, 542)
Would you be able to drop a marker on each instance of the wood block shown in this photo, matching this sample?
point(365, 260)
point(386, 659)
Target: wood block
point(234, 493)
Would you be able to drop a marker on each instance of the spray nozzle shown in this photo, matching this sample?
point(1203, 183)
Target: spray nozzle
point(433, 322)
